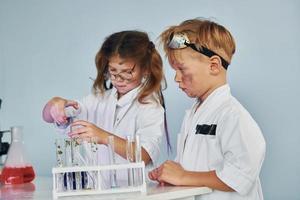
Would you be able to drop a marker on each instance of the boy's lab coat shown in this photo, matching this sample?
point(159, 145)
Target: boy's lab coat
point(222, 136)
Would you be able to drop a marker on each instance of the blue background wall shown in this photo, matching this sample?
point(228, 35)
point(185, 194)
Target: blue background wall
point(47, 48)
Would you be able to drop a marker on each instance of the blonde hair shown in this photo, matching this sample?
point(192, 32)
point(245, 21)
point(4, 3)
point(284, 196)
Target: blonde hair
point(203, 32)
point(133, 45)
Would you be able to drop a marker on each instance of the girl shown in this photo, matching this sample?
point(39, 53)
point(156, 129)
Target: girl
point(126, 98)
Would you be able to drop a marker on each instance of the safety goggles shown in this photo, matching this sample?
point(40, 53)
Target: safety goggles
point(181, 41)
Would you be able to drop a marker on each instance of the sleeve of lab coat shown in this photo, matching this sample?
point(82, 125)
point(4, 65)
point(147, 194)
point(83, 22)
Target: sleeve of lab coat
point(243, 148)
point(150, 128)
point(84, 105)
point(88, 107)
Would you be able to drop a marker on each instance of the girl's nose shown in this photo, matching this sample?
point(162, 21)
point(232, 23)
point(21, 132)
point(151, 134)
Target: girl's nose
point(119, 78)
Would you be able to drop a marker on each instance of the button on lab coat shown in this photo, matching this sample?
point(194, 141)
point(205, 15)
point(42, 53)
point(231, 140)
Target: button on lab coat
point(236, 151)
point(123, 117)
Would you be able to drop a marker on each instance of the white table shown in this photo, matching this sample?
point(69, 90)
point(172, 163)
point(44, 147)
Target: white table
point(41, 188)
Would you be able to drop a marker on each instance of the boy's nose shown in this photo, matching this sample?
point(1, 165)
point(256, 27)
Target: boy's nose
point(178, 76)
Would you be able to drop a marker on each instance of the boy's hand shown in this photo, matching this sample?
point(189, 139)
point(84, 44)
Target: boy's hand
point(153, 175)
point(169, 172)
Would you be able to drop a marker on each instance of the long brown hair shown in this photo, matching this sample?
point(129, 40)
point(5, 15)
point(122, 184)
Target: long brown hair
point(133, 45)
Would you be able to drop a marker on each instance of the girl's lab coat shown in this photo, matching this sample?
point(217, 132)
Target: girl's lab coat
point(123, 117)
point(222, 136)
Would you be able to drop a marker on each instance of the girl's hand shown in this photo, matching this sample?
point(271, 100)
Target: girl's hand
point(169, 172)
point(85, 130)
point(57, 109)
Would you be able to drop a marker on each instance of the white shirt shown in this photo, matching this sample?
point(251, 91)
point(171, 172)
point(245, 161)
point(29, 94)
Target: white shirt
point(236, 151)
point(123, 117)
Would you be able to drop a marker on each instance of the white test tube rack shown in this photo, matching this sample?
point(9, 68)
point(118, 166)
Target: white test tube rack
point(122, 189)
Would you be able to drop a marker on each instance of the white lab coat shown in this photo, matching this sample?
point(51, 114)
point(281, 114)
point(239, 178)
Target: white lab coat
point(236, 151)
point(123, 117)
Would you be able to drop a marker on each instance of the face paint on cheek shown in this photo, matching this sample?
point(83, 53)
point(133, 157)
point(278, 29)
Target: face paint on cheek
point(187, 78)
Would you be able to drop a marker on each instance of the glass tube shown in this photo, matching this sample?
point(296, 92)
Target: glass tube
point(60, 152)
point(112, 161)
point(94, 151)
point(72, 179)
point(60, 162)
point(130, 158)
point(68, 177)
point(138, 149)
point(68, 152)
point(138, 158)
point(76, 143)
point(93, 161)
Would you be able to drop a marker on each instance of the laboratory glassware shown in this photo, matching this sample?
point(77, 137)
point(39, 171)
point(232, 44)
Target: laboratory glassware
point(17, 169)
point(138, 173)
point(130, 158)
point(60, 162)
point(112, 161)
point(71, 113)
point(73, 179)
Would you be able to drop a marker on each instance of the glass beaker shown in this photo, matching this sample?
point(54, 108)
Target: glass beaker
point(17, 169)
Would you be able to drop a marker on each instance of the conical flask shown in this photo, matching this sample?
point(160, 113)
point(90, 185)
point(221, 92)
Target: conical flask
point(17, 169)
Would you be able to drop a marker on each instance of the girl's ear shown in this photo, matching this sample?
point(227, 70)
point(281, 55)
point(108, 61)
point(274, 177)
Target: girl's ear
point(145, 73)
point(215, 65)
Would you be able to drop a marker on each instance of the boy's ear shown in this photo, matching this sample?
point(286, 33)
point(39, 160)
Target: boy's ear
point(215, 65)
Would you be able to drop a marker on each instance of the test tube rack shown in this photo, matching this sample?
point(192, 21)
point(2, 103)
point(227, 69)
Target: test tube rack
point(98, 169)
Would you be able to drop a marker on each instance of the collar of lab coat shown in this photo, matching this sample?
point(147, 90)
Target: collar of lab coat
point(218, 96)
point(126, 99)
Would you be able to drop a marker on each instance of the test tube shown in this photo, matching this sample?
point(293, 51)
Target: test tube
point(72, 179)
point(94, 151)
point(138, 149)
point(130, 158)
point(68, 152)
point(112, 161)
point(60, 153)
point(93, 161)
point(59, 144)
point(138, 158)
point(68, 177)
point(76, 142)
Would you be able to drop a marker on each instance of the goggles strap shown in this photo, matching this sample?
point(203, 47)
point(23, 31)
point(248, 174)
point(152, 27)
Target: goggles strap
point(209, 53)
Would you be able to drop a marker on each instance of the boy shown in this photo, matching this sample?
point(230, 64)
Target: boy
point(220, 145)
